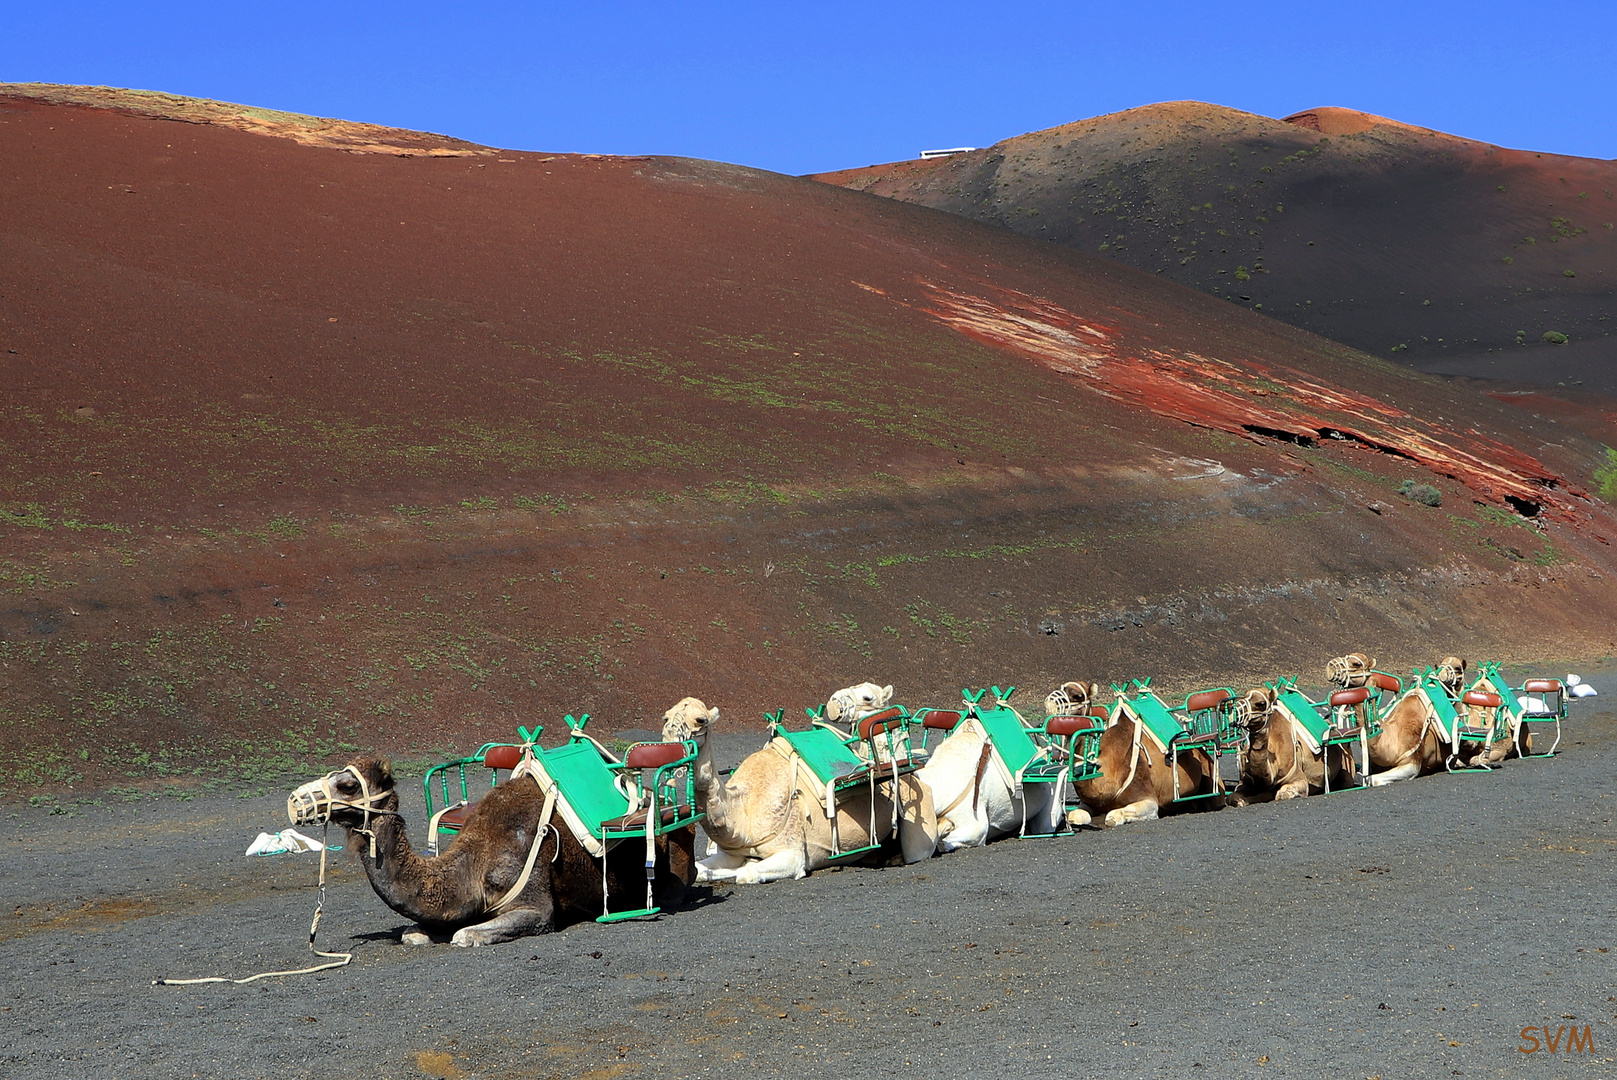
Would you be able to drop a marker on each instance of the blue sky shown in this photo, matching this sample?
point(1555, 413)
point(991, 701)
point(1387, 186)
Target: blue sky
point(799, 87)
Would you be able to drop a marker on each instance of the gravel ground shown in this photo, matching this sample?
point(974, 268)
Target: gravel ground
point(1409, 931)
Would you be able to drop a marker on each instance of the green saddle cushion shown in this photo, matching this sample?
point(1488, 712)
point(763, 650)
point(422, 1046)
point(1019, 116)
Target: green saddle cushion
point(1010, 737)
point(825, 753)
point(588, 785)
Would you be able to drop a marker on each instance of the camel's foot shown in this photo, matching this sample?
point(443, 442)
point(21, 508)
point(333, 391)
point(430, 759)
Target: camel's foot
point(1140, 811)
point(719, 866)
point(1235, 798)
point(1078, 817)
point(777, 867)
point(416, 936)
point(1292, 791)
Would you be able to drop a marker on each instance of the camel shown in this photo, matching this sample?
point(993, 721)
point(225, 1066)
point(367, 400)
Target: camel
point(1137, 780)
point(768, 818)
point(977, 799)
point(1280, 762)
point(1411, 743)
point(465, 893)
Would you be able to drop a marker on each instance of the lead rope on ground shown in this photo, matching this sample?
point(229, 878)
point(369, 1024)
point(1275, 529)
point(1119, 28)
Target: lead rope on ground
point(336, 959)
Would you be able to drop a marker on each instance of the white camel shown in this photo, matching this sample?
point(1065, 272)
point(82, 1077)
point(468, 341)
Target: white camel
point(769, 818)
point(977, 797)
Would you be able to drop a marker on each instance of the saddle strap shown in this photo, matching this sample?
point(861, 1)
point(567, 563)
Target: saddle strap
point(540, 829)
point(1134, 759)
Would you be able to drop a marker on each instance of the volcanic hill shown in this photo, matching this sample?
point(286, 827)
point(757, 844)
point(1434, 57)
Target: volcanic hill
point(314, 441)
point(1448, 254)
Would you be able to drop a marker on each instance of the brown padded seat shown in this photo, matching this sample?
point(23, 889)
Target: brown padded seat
point(1351, 696)
point(502, 757)
point(1100, 712)
point(1542, 686)
point(456, 818)
point(1207, 699)
point(876, 723)
point(1382, 681)
point(1482, 698)
point(941, 720)
point(654, 755)
point(637, 820)
point(1071, 725)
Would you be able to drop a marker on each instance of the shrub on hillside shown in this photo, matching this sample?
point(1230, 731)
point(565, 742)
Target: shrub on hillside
point(1425, 494)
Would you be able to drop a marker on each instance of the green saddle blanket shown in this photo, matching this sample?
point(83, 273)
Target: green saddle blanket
point(1302, 712)
point(586, 783)
point(1161, 724)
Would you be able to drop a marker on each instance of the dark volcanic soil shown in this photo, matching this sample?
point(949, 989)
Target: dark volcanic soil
point(1449, 254)
point(313, 445)
point(1404, 931)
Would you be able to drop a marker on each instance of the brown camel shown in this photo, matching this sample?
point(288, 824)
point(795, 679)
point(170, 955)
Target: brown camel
point(462, 894)
point(1411, 742)
point(1279, 761)
point(1137, 780)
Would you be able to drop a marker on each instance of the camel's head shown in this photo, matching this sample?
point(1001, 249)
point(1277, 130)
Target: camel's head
point(1252, 710)
point(690, 719)
point(1070, 699)
point(852, 704)
point(1350, 670)
point(349, 797)
point(1450, 671)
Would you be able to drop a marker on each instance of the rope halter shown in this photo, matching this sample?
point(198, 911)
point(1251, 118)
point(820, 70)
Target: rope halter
point(314, 802)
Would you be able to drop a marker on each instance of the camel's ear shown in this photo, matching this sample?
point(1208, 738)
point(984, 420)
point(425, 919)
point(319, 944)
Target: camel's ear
point(713, 714)
point(1372, 663)
point(886, 693)
point(1094, 692)
point(386, 769)
point(1272, 694)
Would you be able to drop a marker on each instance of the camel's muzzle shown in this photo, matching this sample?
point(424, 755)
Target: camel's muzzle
point(313, 803)
point(310, 804)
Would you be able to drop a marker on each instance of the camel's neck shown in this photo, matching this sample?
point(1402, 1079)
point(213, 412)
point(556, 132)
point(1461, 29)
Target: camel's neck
point(396, 872)
point(713, 798)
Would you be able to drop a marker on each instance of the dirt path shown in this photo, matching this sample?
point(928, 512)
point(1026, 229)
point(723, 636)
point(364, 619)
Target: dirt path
point(1410, 931)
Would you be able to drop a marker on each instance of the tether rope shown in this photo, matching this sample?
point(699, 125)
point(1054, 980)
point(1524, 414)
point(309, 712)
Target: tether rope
point(336, 959)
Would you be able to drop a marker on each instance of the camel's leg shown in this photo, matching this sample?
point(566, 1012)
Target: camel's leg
point(719, 866)
point(1393, 775)
point(508, 927)
point(790, 863)
point(918, 824)
point(1078, 817)
point(1143, 810)
point(1294, 788)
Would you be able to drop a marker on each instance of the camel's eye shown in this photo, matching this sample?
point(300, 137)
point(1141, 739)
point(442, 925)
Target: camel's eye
point(346, 784)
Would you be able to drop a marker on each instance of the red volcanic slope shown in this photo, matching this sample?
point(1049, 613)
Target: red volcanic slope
point(355, 441)
point(1437, 251)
